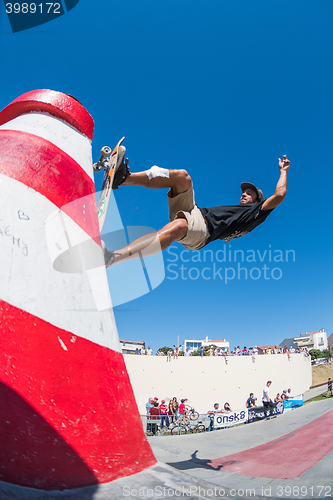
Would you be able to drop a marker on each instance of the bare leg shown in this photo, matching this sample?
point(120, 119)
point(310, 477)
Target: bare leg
point(153, 243)
point(178, 181)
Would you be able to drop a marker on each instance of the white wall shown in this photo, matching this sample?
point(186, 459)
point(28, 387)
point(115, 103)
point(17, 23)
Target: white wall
point(207, 380)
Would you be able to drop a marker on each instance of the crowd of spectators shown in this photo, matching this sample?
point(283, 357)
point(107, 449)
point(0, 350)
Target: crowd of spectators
point(175, 410)
point(216, 351)
point(169, 412)
point(251, 401)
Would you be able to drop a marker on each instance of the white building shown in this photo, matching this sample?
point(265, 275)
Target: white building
point(194, 345)
point(313, 340)
point(130, 346)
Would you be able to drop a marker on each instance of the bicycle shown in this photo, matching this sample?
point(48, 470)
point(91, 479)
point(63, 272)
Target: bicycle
point(155, 428)
point(198, 428)
point(182, 427)
point(193, 415)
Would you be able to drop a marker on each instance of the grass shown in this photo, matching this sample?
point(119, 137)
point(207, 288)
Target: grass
point(317, 398)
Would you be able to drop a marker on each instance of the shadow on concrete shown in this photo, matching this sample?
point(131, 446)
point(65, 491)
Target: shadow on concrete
point(32, 453)
point(198, 463)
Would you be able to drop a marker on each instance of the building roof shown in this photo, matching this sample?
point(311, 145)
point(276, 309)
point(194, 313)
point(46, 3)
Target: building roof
point(132, 341)
point(211, 341)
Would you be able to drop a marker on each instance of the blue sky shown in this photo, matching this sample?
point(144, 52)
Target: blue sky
point(221, 89)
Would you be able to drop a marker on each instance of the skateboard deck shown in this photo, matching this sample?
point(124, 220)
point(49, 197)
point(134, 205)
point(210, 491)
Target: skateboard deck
point(108, 162)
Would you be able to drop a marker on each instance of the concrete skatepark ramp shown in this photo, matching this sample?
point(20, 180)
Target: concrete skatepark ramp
point(65, 392)
point(199, 466)
point(69, 424)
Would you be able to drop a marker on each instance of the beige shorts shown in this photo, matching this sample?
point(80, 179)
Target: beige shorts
point(183, 205)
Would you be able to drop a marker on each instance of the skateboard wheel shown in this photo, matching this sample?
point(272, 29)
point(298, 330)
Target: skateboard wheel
point(96, 167)
point(106, 151)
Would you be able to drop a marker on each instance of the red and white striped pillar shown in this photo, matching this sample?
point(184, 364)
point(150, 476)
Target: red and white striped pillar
point(68, 416)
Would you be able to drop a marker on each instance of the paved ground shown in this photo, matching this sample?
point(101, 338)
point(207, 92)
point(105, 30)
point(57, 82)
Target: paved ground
point(290, 456)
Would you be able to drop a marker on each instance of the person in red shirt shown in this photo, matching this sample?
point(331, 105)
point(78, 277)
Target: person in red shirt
point(154, 414)
point(164, 414)
point(182, 410)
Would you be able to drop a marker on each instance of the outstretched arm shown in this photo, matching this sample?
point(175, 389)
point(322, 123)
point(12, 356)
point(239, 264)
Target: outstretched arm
point(281, 187)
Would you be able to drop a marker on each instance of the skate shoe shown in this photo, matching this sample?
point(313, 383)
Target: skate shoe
point(122, 170)
point(109, 256)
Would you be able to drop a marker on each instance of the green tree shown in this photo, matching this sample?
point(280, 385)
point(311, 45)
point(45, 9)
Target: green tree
point(326, 353)
point(315, 353)
point(206, 348)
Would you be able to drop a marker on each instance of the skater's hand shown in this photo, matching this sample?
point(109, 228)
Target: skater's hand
point(284, 164)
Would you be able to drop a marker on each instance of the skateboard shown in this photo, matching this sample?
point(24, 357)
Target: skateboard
point(108, 161)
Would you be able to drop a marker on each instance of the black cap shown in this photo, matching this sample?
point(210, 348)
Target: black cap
point(246, 185)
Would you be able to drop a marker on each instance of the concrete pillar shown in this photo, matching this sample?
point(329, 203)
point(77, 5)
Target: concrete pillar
point(68, 417)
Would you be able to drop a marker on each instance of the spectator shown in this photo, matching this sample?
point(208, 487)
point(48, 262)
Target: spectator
point(289, 394)
point(211, 351)
point(211, 414)
point(227, 408)
point(251, 401)
point(202, 352)
point(169, 354)
point(149, 404)
point(176, 353)
point(164, 414)
point(137, 351)
point(284, 395)
point(171, 413)
point(277, 398)
point(181, 410)
point(175, 407)
point(149, 351)
point(187, 353)
point(154, 414)
point(143, 352)
point(266, 399)
point(329, 387)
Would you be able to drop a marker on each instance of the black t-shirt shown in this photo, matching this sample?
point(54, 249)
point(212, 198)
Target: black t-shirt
point(233, 221)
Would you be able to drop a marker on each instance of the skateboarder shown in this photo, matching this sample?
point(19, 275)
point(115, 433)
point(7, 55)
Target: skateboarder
point(190, 225)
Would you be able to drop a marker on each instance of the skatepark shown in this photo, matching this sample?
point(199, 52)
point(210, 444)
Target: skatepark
point(287, 457)
point(69, 420)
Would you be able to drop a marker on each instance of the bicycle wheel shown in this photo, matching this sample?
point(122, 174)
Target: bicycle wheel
point(199, 428)
point(194, 415)
point(178, 429)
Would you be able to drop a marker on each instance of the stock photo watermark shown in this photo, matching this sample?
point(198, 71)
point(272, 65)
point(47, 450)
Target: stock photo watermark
point(278, 491)
point(24, 15)
point(227, 264)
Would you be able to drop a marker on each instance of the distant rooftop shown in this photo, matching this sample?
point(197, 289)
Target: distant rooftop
point(132, 341)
